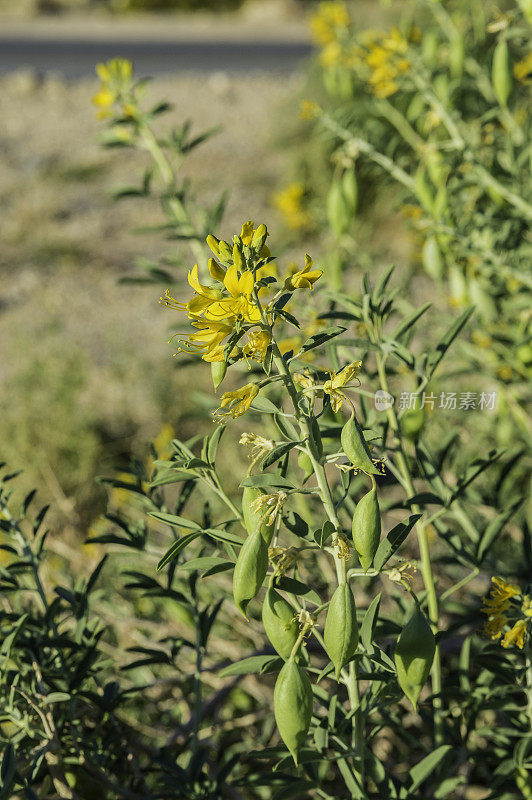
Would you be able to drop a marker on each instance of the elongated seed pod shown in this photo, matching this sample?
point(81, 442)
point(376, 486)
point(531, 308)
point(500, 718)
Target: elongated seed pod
point(414, 654)
point(501, 75)
point(341, 631)
point(218, 370)
point(367, 528)
point(280, 624)
point(292, 706)
point(252, 519)
point(250, 570)
point(355, 447)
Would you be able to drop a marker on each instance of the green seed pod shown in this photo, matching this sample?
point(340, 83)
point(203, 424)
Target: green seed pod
point(304, 463)
point(350, 190)
point(367, 528)
point(218, 370)
point(341, 631)
point(432, 258)
point(280, 624)
point(338, 212)
point(252, 519)
point(501, 75)
point(250, 570)
point(414, 654)
point(292, 706)
point(355, 447)
point(523, 781)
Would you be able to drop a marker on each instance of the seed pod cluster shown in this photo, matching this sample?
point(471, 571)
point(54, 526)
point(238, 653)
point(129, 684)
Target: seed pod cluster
point(366, 528)
point(355, 447)
point(341, 631)
point(292, 706)
point(280, 624)
point(414, 654)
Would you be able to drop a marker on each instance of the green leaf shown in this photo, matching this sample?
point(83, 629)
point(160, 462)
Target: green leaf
point(174, 521)
point(222, 535)
point(253, 664)
point(393, 541)
point(446, 341)
point(426, 767)
point(277, 453)
point(7, 770)
point(168, 476)
point(410, 320)
point(214, 441)
point(321, 337)
point(264, 405)
point(206, 563)
point(176, 548)
point(268, 480)
point(323, 535)
point(286, 428)
point(368, 624)
point(494, 528)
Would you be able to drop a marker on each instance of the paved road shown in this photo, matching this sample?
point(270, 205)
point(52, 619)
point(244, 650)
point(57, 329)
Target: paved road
point(76, 58)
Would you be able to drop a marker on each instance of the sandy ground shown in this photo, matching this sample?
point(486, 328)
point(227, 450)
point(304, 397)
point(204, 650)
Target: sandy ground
point(84, 363)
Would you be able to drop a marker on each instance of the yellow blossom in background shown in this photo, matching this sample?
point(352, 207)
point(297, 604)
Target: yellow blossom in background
point(333, 387)
point(115, 85)
point(523, 69)
point(163, 441)
point(500, 596)
point(515, 635)
point(385, 60)
point(289, 202)
point(234, 404)
point(329, 20)
point(304, 278)
point(308, 110)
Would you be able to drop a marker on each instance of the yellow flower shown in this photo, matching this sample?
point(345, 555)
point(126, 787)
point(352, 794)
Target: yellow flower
point(208, 341)
point(249, 233)
point(516, 635)
point(500, 595)
point(333, 386)
point(493, 627)
point(331, 18)
point(290, 203)
point(304, 278)
point(238, 402)
point(163, 441)
point(308, 109)
point(104, 98)
point(523, 69)
point(257, 346)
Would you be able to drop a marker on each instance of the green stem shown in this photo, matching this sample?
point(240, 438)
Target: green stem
point(424, 555)
point(341, 572)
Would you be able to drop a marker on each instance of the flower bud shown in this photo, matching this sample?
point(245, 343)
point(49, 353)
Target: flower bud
point(238, 259)
point(218, 370)
point(213, 243)
point(280, 624)
point(366, 528)
point(225, 251)
point(259, 237)
point(341, 631)
point(414, 654)
point(292, 705)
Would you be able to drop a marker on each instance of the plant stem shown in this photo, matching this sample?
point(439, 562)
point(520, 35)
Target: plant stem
point(341, 572)
point(424, 555)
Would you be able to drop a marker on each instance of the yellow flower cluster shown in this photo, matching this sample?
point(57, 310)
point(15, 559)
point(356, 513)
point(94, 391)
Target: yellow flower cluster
point(386, 60)
point(502, 599)
point(290, 202)
point(523, 69)
point(329, 20)
point(333, 387)
point(116, 84)
point(229, 307)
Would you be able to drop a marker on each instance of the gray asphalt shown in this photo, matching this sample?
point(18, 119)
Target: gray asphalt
point(75, 58)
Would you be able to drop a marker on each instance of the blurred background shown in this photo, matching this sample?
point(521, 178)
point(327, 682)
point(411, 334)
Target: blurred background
point(87, 378)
